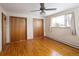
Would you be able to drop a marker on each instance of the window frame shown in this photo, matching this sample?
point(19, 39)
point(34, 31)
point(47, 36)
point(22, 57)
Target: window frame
point(65, 26)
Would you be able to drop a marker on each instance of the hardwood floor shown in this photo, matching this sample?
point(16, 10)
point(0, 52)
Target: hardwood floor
point(39, 47)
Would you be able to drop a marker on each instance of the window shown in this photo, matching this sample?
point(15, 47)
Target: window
point(61, 21)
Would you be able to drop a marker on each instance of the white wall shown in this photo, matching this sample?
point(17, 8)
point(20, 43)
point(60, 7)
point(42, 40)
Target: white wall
point(63, 34)
point(76, 13)
point(55, 31)
point(7, 30)
point(29, 24)
point(1, 10)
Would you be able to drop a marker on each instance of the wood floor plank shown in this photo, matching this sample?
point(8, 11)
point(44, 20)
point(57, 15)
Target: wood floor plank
point(39, 47)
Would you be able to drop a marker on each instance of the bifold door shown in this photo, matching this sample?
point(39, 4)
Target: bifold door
point(18, 29)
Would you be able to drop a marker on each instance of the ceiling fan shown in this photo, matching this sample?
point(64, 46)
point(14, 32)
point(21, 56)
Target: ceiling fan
point(43, 9)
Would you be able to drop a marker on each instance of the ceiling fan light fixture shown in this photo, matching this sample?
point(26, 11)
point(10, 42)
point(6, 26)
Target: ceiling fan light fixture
point(42, 13)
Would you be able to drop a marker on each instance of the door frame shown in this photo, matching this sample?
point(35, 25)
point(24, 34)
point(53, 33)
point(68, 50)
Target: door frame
point(2, 31)
point(33, 26)
point(25, 25)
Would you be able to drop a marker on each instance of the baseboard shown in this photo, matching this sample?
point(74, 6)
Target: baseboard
point(7, 43)
point(29, 39)
point(0, 50)
point(73, 46)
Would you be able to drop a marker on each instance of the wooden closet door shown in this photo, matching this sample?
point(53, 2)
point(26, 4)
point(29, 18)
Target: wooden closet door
point(22, 27)
point(18, 29)
point(38, 28)
point(12, 29)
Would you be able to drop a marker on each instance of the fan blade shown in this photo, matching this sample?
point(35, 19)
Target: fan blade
point(50, 9)
point(42, 6)
point(35, 10)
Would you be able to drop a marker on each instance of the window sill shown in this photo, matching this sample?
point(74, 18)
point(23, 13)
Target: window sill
point(60, 27)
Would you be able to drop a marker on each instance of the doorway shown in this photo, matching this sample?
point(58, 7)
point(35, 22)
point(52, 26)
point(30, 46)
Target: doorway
point(18, 28)
point(3, 31)
point(38, 28)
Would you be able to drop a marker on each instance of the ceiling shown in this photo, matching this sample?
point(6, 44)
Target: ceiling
point(26, 8)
